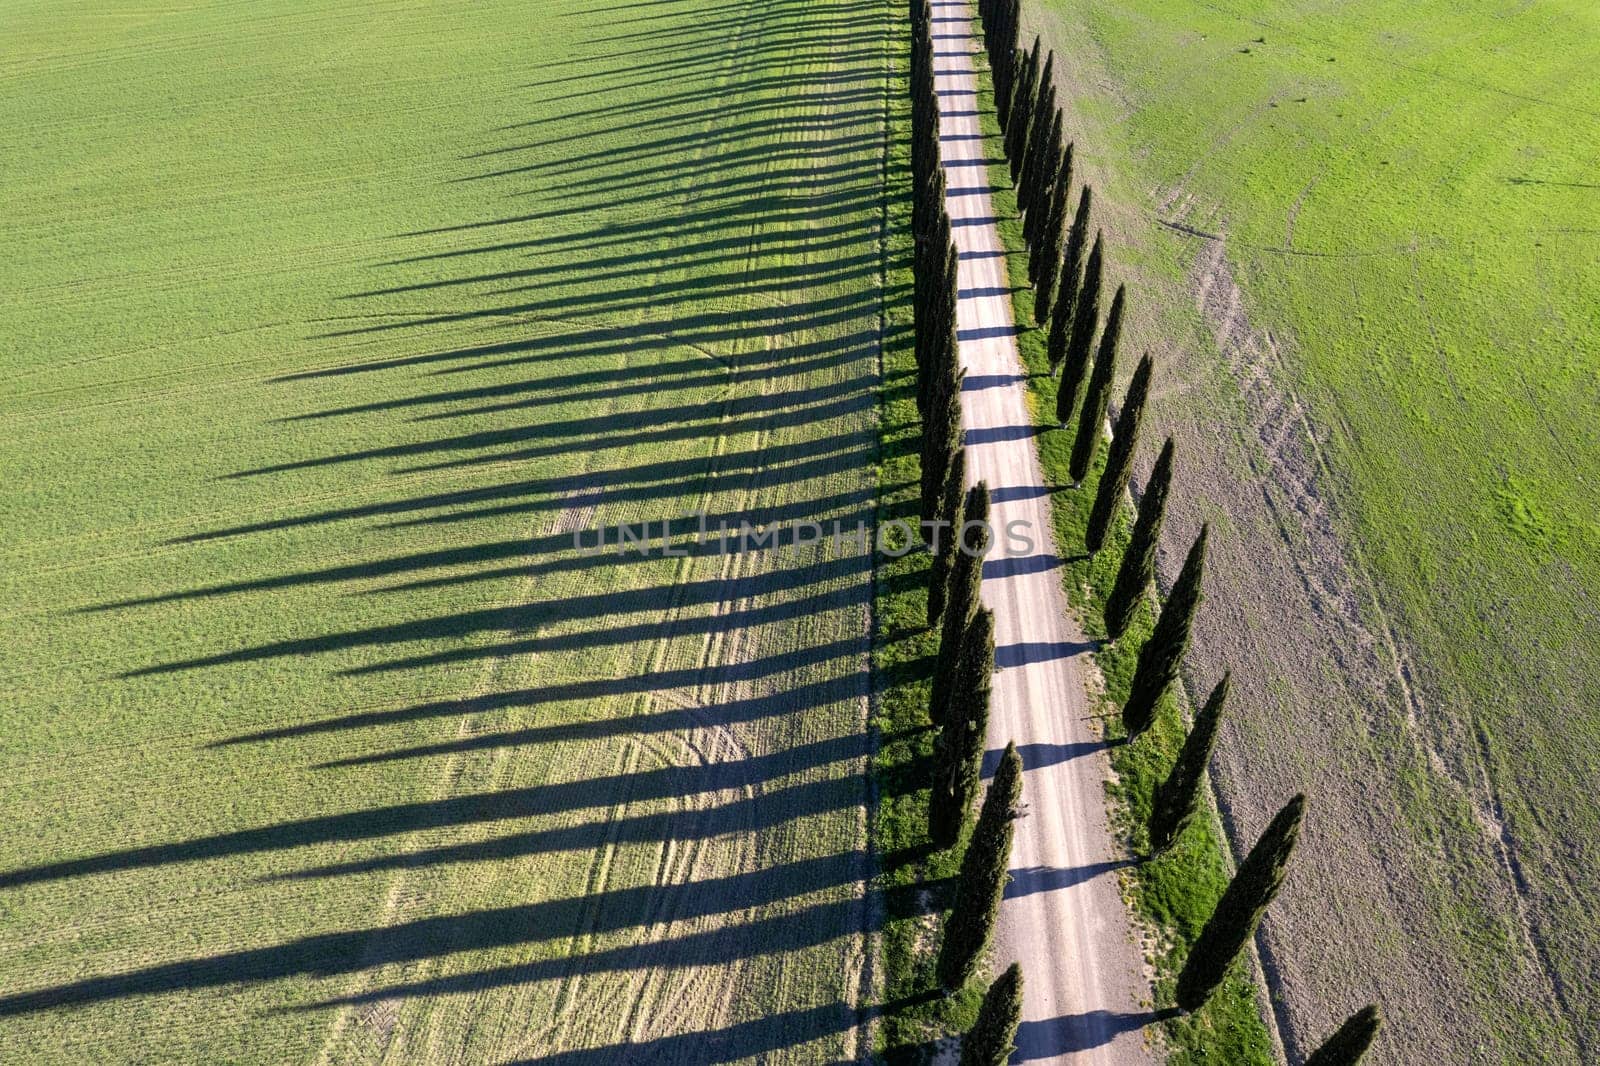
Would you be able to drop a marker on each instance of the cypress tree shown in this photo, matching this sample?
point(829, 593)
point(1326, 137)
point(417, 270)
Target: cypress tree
point(926, 340)
point(1044, 111)
point(941, 436)
point(944, 556)
point(961, 597)
point(935, 344)
point(983, 876)
point(1064, 400)
point(1085, 317)
point(1042, 193)
point(1139, 561)
point(934, 298)
point(1349, 1045)
point(927, 205)
point(990, 1040)
point(924, 100)
point(1003, 62)
point(946, 422)
point(1099, 394)
point(1046, 254)
point(1010, 18)
point(938, 357)
point(958, 754)
point(1016, 97)
point(1021, 90)
point(937, 267)
point(1003, 50)
point(949, 283)
point(930, 251)
point(1023, 98)
point(1119, 460)
point(1011, 23)
point(1071, 270)
point(921, 42)
point(933, 217)
point(1178, 797)
point(1162, 654)
point(1239, 911)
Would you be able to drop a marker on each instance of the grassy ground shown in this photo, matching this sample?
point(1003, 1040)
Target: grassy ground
point(1381, 214)
point(328, 325)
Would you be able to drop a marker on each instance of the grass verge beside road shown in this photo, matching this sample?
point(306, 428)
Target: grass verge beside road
point(914, 879)
point(1173, 895)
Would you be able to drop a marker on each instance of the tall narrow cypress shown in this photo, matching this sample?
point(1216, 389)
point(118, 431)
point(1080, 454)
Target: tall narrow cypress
point(924, 100)
point(1085, 317)
point(964, 728)
point(1006, 68)
point(928, 205)
point(1138, 566)
point(1349, 1045)
point(1021, 92)
point(1119, 460)
point(941, 436)
point(937, 349)
point(1099, 394)
point(1071, 279)
point(1044, 111)
point(1177, 799)
point(1042, 193)
point(1239, 911)
point(937, 245)
point(990, 1040)
point(961, 597)
point(1045, 255)
point(1005, 99)
point(935, 297)
point(1064, 402)
point(1010, 25)
point(945, 551)
point(1023, 97)
point(950, 280)
point(1162, 654)
point(983, 876)
point(1018, 98)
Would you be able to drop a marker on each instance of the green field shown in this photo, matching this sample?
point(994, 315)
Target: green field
point(1405, 198)
point(327, 325)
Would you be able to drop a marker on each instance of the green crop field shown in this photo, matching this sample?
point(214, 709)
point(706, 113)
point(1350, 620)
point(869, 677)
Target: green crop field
point(326, 326)
point(1388, 212)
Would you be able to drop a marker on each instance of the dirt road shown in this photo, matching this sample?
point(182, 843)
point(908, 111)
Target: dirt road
point(1063, 917)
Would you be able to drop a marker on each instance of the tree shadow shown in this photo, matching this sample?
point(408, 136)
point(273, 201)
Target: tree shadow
point(1025, 652)
point(710, 942)
point(1016, 565)
point(1035, 756)
point(1054, 1037)
point(1032, 879)
point(713, 280)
